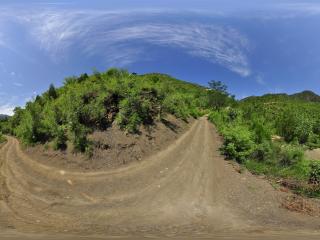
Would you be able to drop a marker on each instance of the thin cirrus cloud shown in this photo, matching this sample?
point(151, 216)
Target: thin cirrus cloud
point(222, 45)
point(104, 33)
point(7, 109)
point(17, 84)
point(310, 8)
point(7, 103)
point(2, 40)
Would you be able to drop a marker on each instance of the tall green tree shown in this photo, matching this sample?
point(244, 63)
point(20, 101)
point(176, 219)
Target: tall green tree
point(218, 96)
point(52, 92)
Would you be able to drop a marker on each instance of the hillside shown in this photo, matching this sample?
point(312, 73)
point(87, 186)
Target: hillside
point(3, 116)
point(123, 154)
point(270, 134)
point(305, 96)
point(64, 117)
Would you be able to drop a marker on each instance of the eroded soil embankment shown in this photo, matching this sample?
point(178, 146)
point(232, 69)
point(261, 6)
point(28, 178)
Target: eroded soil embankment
point(114, 148)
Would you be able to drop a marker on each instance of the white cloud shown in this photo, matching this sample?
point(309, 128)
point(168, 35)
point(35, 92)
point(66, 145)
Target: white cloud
point(302, 8)
point(17, 84)
point(2, 40)
point(111, 33)
point(260, 80)
point(7, 109)
point(222, 45)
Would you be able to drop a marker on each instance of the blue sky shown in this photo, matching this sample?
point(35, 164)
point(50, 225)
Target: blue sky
point(254, 46)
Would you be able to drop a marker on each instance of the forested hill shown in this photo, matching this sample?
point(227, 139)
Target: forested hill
point(3, 116)
point(86, 103)
point(305, 96)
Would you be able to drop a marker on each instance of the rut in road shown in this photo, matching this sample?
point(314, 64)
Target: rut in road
point(186, 189)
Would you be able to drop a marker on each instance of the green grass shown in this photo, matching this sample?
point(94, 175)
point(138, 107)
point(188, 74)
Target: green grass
point(2, 138)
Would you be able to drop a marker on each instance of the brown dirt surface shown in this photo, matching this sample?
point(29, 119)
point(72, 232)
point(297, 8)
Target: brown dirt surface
point(186, 190)
point(313, 154)
point(114, 148)
point(301, 205)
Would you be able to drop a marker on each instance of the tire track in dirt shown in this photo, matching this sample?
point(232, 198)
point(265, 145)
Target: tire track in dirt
point(187, 189)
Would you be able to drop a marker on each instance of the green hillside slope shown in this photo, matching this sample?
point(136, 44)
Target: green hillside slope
point(86, 103)
point(269, 135)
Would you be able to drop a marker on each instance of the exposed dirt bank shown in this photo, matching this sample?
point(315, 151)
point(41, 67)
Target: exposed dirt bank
point(313, 154)
point(114, 148)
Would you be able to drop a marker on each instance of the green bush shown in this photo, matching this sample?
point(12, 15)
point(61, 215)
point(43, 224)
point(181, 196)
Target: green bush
point(177, 105)
point(313, 141)
point(238, 143)
point(2, 138)
point(89, 150)
point(314, 177)
point(295, 125)
point(128, 117)
point(234, 114)
point(52, 92)
point(26, 130)
point(289, 155)
point(263, 152)
point(262, 131)
point(60, 141)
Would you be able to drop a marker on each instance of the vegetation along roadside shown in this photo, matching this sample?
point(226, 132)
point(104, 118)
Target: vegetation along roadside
point(268, 134)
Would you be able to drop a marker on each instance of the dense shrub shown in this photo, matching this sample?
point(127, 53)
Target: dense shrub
point(86, 103)
point(269, 134)
point(52, 93)
point(238, 143)
point(295, 125)
point(262, 130)
point(313, 141)
point(60, 140)
point(177, 104)
point(2, 138)
point(314, 177)
point(263, 152)
point(128, 118)
point(218, 96)
point(289, 155)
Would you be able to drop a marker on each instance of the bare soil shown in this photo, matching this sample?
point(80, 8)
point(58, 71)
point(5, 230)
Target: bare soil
point(114, 148)
point(186, 190)
point(313, 154)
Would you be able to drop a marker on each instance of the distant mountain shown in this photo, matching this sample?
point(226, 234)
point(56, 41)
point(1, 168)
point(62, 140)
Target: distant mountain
point(306, 96)
point(3, 116)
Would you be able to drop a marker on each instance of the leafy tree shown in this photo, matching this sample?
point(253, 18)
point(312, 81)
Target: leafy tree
point(52, 92)
point(218, 96)
point(218, 86)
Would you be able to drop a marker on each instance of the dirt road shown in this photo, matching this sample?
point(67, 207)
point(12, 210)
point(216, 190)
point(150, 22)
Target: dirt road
point(186, 190)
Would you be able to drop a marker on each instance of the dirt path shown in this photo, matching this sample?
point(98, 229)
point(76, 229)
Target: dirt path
point(313, 154)
point(186, 190)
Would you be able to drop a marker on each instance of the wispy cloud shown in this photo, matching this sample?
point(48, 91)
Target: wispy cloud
point(7, 109)
point(222, 45)
point(309, 8)
point(17, 84)
point(2, 40)
point(122, 39)
point(260, 80)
